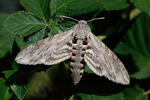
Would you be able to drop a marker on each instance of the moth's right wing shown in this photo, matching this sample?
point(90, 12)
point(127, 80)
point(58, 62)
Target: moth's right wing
point(104, 62)
point(48, 51)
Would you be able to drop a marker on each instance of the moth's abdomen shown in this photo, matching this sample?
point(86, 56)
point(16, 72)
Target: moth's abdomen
point(77, 59)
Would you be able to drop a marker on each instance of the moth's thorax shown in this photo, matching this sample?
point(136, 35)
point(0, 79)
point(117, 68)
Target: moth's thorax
point(81, 30)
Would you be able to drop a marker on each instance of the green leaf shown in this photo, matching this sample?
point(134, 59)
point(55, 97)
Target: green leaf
point(4, 91)
point(19, 90)
point(57, 5)
point(9, 73)
point(39, 8)
point(20, 42)
point(38, 81)
point(23, 23)
point(6, 42)
point(88, 70)
point(73, 97)
point(137, 44)
point(73, 7)
point(138, 39)
point(36, 37)
point(138, 35)
point(14, 65)
point(32, 39)
point(143, 5)
point(6, 38)
point(134, 93)
point(54, 29)
point(3, 16)
point(118, 96)
point(143, 64)
point(114, 4)
point(123, 49)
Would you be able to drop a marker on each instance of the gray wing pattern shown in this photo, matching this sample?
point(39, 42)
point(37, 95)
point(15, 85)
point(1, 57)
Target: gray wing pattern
point(51, 50)
point(104, 62)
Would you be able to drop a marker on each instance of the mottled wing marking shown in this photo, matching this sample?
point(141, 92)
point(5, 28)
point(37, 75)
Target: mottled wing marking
point(49, 51)
point(104, 62)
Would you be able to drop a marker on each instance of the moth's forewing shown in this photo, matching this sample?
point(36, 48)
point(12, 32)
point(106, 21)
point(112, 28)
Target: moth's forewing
point(104, 62)
point(48, 51)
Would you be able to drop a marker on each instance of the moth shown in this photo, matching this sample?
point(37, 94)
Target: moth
point(82, 47)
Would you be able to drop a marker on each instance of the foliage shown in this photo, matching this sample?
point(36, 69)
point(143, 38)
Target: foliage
point(4, 90)
point(137, 38)
point(126, 31)
point(117, 96)
point(142, 5)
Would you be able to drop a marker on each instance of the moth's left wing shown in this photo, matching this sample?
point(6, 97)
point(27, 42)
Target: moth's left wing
point(104, 62)
point(48, 51)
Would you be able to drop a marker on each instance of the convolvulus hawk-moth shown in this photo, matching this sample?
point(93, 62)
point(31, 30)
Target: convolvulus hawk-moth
point(80, 45)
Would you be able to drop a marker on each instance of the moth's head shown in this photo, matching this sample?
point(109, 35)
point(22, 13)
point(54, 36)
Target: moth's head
point(81, 30)
point(82, 22)
point(82, 25)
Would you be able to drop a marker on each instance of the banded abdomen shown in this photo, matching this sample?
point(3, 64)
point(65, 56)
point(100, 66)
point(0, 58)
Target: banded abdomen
point(77, 59)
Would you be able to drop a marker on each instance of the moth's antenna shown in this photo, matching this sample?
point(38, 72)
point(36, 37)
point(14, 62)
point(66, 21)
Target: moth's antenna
point(95, 19)
point(70, 18)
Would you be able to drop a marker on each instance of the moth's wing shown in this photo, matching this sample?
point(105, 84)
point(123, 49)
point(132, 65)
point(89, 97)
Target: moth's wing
point(104, 62)
point(48, 51)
